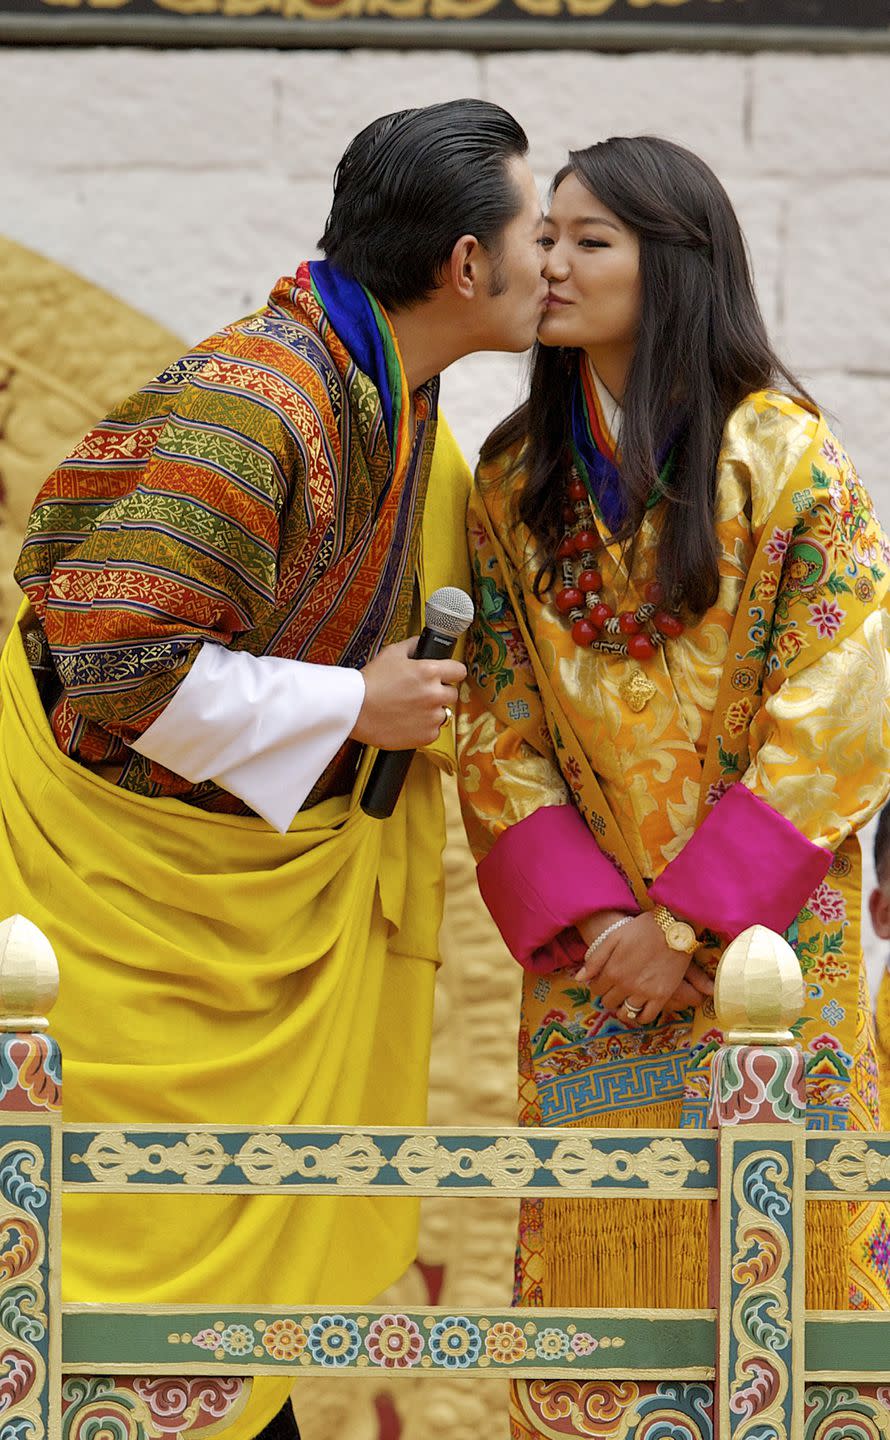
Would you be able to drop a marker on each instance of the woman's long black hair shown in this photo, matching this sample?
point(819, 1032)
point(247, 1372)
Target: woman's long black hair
point(701, 348)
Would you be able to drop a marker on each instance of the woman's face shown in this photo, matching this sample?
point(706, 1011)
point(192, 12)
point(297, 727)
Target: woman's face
point(592, 265)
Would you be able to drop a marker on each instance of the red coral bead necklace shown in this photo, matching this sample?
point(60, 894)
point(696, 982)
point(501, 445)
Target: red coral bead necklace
point(594, 623)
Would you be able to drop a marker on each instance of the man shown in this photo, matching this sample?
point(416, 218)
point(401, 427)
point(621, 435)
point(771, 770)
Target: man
point(220, 583)
point(879, 909)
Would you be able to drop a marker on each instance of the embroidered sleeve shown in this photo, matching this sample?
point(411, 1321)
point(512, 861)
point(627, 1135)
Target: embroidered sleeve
point(540, 869)
point(819, 740)
point(820, 744)
point(188, 550)
point(819, 736)
point(507, 766)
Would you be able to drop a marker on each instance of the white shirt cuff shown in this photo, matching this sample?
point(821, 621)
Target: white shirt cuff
point(262, 727)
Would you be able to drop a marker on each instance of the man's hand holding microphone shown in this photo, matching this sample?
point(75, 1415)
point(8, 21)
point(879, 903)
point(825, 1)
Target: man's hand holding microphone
point(410, 693)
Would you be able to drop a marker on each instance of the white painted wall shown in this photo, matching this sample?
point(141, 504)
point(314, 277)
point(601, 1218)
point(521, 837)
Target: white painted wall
point(187, 181)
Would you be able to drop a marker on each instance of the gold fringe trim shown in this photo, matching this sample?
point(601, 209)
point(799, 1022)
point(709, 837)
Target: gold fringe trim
point(654, 1253)
point(633, 1253)
point(827, 1255)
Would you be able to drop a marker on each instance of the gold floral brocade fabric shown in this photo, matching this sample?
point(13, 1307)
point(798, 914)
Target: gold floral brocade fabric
point(782, 686)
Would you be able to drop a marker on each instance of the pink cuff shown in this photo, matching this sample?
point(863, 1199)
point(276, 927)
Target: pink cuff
point(564, 952)
point(543, 875)
point(745, 865)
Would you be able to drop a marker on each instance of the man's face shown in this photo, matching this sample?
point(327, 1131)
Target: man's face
point(511, 310)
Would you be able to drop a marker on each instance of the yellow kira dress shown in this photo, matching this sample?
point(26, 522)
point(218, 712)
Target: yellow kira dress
point(724, 777)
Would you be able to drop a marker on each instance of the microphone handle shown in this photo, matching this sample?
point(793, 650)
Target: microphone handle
point(391, 766)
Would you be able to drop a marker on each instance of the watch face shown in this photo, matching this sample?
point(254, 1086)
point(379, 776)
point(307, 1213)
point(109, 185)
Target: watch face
point(681, 936)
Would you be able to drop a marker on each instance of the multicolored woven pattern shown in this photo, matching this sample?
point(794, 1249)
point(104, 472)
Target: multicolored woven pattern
point(246, 496)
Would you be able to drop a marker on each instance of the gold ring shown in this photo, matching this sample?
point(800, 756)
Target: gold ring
point(449, 713)
point(632, 1011)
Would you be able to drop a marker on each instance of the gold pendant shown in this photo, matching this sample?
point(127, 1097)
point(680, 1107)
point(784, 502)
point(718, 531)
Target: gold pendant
point(636, 691)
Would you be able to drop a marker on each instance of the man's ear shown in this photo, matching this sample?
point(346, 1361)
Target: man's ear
point(879, 909)
point(465, 267)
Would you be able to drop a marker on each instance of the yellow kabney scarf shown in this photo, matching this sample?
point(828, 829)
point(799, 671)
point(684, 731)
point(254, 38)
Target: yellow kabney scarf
point(214, 970)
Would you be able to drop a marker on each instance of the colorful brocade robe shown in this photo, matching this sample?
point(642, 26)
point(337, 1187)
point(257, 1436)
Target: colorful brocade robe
point(246, 496)
point(782, 687)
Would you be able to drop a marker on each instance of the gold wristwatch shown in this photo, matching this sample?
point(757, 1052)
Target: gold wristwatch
point(678, 933)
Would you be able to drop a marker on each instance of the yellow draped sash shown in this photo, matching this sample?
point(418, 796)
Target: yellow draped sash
point(214, 970)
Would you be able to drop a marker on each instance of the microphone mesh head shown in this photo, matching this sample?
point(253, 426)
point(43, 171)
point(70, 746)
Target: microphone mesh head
point(449, 610)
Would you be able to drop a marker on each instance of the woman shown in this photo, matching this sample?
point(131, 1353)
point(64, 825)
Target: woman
point(675, 717)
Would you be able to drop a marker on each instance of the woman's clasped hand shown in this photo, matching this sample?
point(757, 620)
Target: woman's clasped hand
point(635, 964)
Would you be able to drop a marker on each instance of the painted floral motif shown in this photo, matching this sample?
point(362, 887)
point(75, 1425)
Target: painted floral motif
point(572, 771)
point(827, 616)
point(455, 1342)
point(552, 1344)
point(855, 513)
point(334, 1340)
point(788, 646)
point(207, 1339)
point(830, 969)
point(236, 1340)
point(395, 1342)
point(864, 590)
point(777, 545)
point(738, 715)
point(505, 1343)
point(827, 903)
point(583, 1343)
point(284, 1339)
point(767, 586)
point(831, 451)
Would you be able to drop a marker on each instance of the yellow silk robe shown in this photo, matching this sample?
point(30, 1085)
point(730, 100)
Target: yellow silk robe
point(798, 713)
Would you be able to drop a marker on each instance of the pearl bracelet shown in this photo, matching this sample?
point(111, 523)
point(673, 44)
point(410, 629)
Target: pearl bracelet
point(609, 930)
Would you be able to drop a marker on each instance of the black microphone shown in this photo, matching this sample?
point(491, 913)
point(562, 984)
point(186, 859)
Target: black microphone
point(447, 614)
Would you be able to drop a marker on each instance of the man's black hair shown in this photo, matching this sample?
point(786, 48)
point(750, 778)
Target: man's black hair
point(410, 184)
point(882, 846)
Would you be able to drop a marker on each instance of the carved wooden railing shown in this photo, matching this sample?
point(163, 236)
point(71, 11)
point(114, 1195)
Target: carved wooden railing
point(755, 1366)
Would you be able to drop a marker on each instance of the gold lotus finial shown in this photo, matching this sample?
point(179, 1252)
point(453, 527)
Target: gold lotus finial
point(759, 989)
point(29, 975)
